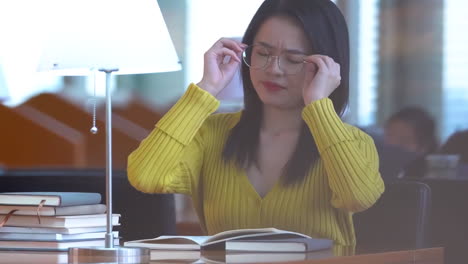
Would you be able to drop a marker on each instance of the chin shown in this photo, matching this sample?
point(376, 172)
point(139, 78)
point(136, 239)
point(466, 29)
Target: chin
point(280, 101)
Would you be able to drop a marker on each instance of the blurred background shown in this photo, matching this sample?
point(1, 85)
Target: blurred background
point(404, 53)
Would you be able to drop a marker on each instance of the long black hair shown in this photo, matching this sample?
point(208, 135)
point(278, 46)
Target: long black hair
point(326, 30)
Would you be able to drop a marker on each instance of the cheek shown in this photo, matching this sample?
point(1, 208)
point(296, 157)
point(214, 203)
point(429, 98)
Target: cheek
point(296, 82)
point(295, 85)
point(254, 77)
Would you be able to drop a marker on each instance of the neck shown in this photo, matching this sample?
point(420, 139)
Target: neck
point(280, 121)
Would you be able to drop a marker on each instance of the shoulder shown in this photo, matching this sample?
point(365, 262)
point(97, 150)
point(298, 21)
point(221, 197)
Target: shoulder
point(220, 124)
point(223, 120)
point(216, 127)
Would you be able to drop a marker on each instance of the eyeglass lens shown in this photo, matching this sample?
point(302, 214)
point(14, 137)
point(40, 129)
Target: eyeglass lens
point(259, 57)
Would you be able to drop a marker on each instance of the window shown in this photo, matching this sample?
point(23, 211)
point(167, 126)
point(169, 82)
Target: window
point(207, 22)
point(455, 83)
point(367, 62)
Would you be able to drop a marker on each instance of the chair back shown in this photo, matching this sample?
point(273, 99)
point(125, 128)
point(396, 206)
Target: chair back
point(398, 220)
point(449, 217)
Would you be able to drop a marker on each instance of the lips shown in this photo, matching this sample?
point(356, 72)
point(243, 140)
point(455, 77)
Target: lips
point(273, 87)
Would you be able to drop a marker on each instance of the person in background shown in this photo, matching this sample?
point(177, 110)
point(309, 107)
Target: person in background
point(286, 160)
point(412, 129)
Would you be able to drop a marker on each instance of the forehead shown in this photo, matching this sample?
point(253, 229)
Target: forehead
point(282, 32)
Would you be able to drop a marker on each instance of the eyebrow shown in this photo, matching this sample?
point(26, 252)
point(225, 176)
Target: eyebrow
point(293, 51)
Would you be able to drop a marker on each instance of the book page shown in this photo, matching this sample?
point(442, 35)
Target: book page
point(174, 240)
point(177, 240)
point(246, 233)
point(169, 242)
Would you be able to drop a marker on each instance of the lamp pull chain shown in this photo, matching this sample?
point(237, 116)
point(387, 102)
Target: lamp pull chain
point(94, 129)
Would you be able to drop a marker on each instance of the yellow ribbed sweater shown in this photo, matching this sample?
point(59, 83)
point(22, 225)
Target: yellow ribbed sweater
point(183, 155)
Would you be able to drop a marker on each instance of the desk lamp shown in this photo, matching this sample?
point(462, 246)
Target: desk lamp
point(113, 37)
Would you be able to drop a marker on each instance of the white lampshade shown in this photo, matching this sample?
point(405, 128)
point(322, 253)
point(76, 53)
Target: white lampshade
point(128, 35)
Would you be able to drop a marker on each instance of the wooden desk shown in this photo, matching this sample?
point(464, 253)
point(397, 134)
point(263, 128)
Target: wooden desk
point(420, 256)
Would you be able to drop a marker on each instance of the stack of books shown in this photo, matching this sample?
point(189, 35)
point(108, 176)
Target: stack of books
point(53, 221)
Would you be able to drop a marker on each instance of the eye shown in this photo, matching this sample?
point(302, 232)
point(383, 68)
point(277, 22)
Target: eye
point(294, 58)
point(261, 52)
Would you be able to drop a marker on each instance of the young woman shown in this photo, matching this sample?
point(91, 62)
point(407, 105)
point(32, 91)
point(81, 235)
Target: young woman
point(285, 161)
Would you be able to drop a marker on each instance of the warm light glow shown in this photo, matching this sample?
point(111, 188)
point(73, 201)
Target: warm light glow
point(21, 27)
point(130, 36)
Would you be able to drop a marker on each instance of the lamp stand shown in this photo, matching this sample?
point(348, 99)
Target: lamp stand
point(109, 254)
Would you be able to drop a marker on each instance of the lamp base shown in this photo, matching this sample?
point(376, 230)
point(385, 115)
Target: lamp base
point(108, 255)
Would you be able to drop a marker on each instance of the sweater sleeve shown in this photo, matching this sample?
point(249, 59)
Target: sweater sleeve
point(170, 158)
point(349, 156)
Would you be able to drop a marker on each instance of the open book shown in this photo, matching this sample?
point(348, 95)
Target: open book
point(276, 240)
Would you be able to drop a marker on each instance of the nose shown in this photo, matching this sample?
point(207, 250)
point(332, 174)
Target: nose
point(273, 65)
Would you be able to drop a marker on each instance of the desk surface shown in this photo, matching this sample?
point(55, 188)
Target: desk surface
point(420, 256)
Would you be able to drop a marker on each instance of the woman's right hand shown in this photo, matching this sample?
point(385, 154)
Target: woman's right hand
point(217, 73)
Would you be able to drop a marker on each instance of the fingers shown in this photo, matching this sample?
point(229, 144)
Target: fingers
point(230, 44)
point(220, 64)
point(333, 67)
point(326, 65)
point(319, 61)
point(231, 53)
point(226, 47)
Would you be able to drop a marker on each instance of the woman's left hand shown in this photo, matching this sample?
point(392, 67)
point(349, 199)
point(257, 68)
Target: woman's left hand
point(322, 78)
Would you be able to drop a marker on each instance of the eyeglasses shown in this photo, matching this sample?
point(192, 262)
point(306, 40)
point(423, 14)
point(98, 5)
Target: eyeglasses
point(259, 57)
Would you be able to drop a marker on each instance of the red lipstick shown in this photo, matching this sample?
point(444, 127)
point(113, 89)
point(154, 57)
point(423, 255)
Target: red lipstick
point(272, 87)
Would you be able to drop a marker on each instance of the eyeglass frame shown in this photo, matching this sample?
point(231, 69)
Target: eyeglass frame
point(269, 58)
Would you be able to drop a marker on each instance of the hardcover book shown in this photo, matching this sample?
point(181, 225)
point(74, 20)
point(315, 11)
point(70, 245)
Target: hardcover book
point(59, 221)
point(36, 257)
point(50, 198)
point(54, 210)
point(52, 245)
point(54, 237)
point(52, 230)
